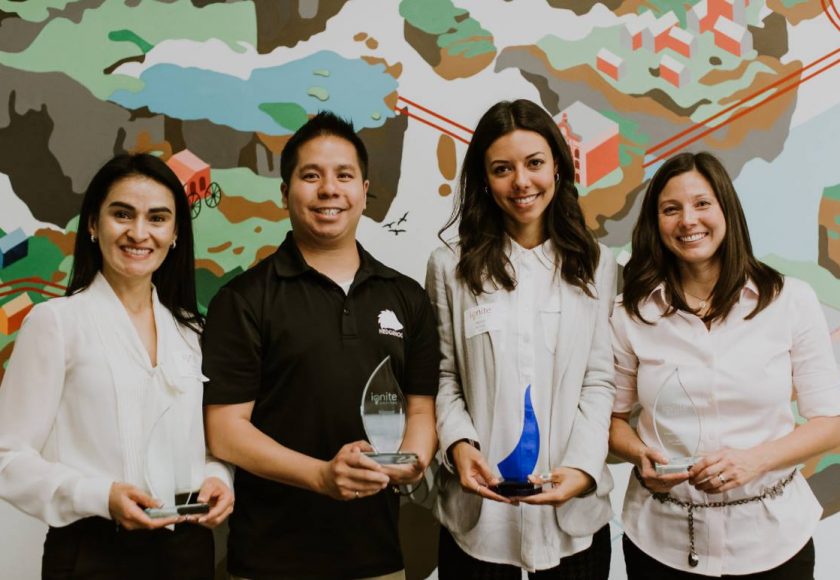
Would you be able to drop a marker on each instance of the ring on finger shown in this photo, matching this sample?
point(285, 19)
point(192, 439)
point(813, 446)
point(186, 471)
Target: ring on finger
point(357, 494)
point(722, 478)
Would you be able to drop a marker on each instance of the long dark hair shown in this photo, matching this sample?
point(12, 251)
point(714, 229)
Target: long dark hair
point(481, 222)
point(175, 278)
point(652, 263)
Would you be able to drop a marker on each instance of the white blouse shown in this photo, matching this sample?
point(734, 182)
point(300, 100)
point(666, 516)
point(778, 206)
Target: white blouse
point(525, 536)
point(82, 407)
point(741, 376)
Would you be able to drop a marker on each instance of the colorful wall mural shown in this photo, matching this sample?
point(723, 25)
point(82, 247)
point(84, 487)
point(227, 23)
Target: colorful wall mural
point(216, 88)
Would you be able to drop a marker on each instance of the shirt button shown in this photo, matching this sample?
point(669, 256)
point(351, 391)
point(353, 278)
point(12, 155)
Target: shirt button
point(346, 312)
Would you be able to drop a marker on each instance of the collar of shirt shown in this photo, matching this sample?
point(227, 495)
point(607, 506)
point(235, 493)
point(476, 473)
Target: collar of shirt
point(545, 253)
point(289, 262)
point(658, 295)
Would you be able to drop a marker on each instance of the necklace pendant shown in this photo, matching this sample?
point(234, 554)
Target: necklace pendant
point(693, 560)
point(703, 305)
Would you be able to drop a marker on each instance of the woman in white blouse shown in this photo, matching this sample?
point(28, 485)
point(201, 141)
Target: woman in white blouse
point(725, 342)
point(100, 406)
point(526, 382)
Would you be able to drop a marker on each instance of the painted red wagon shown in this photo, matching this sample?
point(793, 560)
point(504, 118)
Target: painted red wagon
point(194, 175)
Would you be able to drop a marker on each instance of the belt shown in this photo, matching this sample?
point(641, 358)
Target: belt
point(771, 492)
point(186, 497)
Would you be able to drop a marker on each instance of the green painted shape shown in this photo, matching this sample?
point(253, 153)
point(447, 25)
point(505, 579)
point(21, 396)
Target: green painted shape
point(431, 16)
point(831, 233)
point(440, 18)
point(207, 284)
point(319, 93)
point(42, 260)
point(821, 280)
point(321, 72)
point(288, 115)
point(125, 35)
point(33, 10)
point(827, 460)
point(83, 50)
point(792, 3)
point(212, 229)
point(376, 116)
point(832, 192)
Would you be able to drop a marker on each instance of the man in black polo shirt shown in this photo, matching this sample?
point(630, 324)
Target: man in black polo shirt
point(288, 347)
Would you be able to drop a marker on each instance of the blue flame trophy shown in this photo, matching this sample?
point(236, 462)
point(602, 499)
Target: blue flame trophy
point(516, 467)
point(383, 416)
point(677, 425)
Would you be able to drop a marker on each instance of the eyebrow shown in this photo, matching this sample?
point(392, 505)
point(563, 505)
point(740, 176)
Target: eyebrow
point(343, 166)
point(526, 157)
point(123, 205)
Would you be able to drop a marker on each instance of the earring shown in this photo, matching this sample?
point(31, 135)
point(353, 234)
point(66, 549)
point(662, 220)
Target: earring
point(173, 244)
point(92, 239)
point(557, 177)
point(486, 190)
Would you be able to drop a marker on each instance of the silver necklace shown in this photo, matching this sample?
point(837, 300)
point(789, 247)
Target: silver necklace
point(704, 302)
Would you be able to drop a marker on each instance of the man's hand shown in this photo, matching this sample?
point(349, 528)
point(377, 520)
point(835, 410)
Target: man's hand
point(352, 475)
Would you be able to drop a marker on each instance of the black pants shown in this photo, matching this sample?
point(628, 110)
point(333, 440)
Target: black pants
point(94, 549)
point(640, 566)
point(591, 564)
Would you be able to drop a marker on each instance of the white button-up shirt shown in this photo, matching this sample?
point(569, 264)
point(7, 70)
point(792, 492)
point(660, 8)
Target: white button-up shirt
point(525, 536)
point(81, 407)
point(740, 375)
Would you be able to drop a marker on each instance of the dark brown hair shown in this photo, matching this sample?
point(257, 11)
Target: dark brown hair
point(652, 263)
point(481, 222)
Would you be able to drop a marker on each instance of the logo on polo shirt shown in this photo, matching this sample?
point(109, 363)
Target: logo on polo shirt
point(388, 324)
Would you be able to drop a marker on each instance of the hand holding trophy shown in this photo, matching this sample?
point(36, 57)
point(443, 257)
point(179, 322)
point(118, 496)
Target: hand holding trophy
point(383, 416)
point(677, 425)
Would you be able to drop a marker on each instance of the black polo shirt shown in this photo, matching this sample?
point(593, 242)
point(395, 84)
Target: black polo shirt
point(287, 337)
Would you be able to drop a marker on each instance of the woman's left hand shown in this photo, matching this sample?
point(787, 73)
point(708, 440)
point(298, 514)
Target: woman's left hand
point(566, 483)
point(725, 470)
point(220, 497)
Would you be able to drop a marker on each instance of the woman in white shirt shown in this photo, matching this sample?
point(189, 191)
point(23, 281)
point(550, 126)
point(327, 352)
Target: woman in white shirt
point(526, 385)
point(712, 344)
point(100, 406)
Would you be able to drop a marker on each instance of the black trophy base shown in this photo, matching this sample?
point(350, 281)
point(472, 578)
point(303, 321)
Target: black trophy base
point(516, 488)
point(393, 458)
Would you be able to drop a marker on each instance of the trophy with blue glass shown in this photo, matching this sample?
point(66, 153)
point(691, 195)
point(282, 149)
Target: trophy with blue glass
point(677, 425)
point(520, 463)
point(383, 416)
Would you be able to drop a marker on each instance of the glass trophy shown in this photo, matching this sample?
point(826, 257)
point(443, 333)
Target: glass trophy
point(383, 416)
point(516, 467)
point(676, 423)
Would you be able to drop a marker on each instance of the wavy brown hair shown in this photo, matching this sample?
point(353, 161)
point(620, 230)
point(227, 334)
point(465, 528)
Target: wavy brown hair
point(481, 222)
point(652, 263)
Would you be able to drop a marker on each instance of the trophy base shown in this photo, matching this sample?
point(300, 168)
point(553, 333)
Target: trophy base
point(678, 465)
point(393, 458)
point(515, 488)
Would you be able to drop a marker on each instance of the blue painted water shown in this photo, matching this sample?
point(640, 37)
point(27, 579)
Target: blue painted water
point(355, 91)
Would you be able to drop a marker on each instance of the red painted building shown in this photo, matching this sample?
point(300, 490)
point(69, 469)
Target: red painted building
point(593, 139)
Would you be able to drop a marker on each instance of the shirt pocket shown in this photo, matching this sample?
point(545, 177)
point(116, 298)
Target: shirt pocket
point(550, 319)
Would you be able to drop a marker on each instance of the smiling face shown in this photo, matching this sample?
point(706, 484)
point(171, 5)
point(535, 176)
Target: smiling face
point(326, 194)
point(691, 222)
point(135, 228)
point(520, 170)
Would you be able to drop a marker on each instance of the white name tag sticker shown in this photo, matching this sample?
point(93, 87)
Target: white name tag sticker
point(484, 318)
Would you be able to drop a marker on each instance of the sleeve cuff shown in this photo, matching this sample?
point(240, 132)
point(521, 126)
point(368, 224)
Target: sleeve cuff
point(216, 468)
point(90, 498)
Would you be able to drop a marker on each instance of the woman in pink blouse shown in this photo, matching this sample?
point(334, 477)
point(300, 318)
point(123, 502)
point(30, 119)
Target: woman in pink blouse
point(711, 345)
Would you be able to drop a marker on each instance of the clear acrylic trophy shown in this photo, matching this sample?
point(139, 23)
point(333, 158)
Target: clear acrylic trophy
point(677, 425)
point(383, 416)
point(516, 467)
